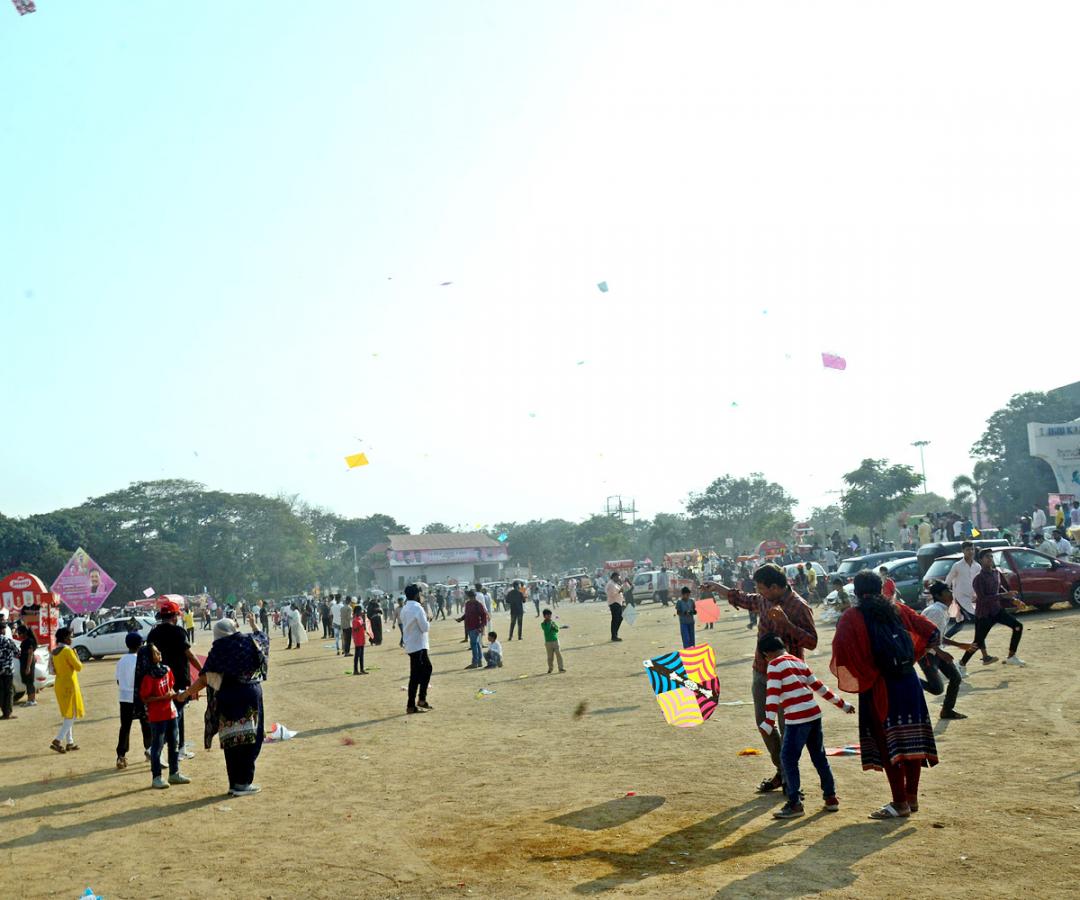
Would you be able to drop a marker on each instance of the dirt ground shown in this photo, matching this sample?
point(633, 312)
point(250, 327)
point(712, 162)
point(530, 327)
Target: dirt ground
point(512, 796)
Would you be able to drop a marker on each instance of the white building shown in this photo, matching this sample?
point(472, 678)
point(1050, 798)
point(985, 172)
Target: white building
point(438, 559)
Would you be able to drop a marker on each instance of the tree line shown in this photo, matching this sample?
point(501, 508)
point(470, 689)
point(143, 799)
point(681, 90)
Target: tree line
point(179, 537)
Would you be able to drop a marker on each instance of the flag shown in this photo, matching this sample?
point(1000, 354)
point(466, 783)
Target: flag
point(832, 361)
point(357, 459)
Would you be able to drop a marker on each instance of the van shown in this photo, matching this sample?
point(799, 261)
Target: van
point(929, 552)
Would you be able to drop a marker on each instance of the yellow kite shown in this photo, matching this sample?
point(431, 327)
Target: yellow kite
point(357, 459)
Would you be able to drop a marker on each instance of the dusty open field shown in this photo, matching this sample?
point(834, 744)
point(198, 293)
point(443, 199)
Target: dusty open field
point(512, 796)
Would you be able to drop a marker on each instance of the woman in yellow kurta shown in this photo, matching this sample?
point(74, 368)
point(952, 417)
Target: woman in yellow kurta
point(66, 688)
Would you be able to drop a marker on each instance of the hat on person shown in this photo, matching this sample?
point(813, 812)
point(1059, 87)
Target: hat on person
point(223, 628)
point(169, 608)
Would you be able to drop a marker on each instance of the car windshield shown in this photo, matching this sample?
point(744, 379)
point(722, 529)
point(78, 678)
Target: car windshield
point(849, 567)
point(939, 568)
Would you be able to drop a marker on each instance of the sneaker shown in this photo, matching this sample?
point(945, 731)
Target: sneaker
point(952, 714)
point(789, 811)
point(423, 704)
point(186, 754)
point(177, 778)
point(1015, 661)
point(989, 659)
point(244, 790)
point(121, 762)
point(159, 783)
point(832, 804)
point(963, 672)
point(412, 710)
point(30, 703)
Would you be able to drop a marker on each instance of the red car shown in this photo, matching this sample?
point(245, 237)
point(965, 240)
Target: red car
point(1041, 580)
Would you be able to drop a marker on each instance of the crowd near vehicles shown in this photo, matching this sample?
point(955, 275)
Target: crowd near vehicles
point(108, 639)
point(853, 565)
point(42, 678)
point(1040, 580)
point(645, 586)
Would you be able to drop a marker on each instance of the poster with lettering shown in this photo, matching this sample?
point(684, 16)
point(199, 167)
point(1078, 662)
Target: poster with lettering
point(82, 584)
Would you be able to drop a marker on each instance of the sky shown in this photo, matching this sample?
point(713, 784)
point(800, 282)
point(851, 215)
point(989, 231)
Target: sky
point(228, 225)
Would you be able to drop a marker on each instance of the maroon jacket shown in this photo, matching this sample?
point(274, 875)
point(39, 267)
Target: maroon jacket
point(475, 615)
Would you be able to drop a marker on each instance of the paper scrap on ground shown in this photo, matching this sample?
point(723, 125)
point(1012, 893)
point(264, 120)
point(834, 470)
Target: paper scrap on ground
point(707, 611)
point(685, 684)
point(603, 286)
point(483, 692)
point(832, 361)
point(849, 750)
point(279, 732)
point(357, 459)
point(733, 703)
point(148, 593)
point(749, 751)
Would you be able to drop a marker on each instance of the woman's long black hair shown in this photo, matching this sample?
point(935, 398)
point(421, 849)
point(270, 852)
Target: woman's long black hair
point(867, 588)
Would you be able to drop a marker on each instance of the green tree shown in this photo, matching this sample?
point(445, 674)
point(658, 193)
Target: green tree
point(968, 490)
point(876, 491)
point(1017, 481)
point(436, 528)
point(747, 509)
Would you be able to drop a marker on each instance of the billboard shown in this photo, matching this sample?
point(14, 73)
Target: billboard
point(82, 584)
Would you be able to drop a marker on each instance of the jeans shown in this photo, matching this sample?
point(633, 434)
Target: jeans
point(811, 736)
point(616, 619)
point(358, 657)
point(772, 740)
point(933, 668)
point(164, 733)
point(419, 676)
point(474, 646)
point(982, 629)
point(686, 629)
point(337, 638)
point(180, 716)
point(536, 603)
point(346, 639)
point(126, 718)
point(665, 597)
point(965, 617)
point(7, 693)
point(494, 660)
point(516, 617)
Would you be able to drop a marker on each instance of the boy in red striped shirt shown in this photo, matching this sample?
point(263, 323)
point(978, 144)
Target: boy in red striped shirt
point(791, 687)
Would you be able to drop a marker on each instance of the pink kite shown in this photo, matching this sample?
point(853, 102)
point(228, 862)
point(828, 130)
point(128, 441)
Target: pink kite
point(707, 611)
point(832, 361)
point(24, 6)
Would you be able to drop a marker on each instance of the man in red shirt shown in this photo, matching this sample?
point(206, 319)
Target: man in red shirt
point(475, 618)
point(781, 612)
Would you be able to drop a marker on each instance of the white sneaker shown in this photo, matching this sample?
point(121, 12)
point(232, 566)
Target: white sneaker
point(1014, 661)
point(963, 672)
point(186, 754)
point(243, 790)
point(30, 703)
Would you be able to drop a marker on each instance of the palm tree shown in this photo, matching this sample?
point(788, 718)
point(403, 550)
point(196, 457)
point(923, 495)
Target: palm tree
point(968, 490)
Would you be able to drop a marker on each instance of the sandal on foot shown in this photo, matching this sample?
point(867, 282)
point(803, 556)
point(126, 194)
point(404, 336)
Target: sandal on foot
point(57, 746)
point(888, 811)
point(770, 784)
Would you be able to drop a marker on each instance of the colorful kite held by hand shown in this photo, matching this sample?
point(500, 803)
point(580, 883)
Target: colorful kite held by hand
point(685, 684)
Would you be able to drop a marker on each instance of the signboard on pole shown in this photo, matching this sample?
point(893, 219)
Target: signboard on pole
point(83, 585)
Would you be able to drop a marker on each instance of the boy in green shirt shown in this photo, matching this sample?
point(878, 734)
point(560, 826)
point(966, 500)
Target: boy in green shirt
point(551, 641)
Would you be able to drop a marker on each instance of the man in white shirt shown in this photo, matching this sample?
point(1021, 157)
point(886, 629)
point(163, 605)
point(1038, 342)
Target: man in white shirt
point(484, 597)
point(1048, 546)
point(960, 581)
point(936, 662)
point(1038, 520)
point(957, 529)
point(615, 604)
point(335, 621)
point(414, 635)
point(78, 625)
point(830, 559)
point(1064, 545)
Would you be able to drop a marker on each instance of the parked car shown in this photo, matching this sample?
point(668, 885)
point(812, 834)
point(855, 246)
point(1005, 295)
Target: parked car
point(929, 552)
point(792, 569)
point(851, 566)
point(905, 572)
point(42, 678)
point(108, 639)
point(644, 586)
point(1041, 580)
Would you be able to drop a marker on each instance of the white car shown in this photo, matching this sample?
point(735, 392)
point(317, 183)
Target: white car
point(109, 638)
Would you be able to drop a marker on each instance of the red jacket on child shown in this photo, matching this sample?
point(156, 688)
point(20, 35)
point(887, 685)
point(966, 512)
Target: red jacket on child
point(359, 631)
point(158, 710)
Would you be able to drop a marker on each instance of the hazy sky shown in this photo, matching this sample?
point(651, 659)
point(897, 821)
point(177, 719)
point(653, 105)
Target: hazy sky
point(226, 225)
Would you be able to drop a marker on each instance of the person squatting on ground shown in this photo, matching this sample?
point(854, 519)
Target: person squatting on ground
point(493, 654)
point(937, 662)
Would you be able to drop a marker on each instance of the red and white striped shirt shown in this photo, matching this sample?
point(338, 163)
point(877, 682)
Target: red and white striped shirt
point(791, 686)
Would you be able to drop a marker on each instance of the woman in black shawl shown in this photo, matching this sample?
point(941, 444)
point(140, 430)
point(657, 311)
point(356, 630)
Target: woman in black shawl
point(233, 672)
point(374, 614)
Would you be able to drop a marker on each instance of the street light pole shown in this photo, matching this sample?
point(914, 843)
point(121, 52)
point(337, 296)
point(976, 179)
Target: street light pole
point(922, 461)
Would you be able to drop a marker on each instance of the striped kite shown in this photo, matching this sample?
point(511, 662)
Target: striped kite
point(686, 685)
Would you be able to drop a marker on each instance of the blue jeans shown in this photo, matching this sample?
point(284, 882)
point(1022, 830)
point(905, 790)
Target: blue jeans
point(337, 638)
point(811, 736)
point(687, 631)
point(161, 733)
point(474, 645)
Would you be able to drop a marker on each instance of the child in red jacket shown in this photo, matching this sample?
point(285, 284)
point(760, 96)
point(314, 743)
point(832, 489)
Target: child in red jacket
point(359, 639)
point(156, 693)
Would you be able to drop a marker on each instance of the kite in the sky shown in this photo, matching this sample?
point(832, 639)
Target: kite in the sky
point(603, 287)
point(357, 459)
point(445, 283)
point(685, 684)
point(707, 610)
point(24, 6)
point(832, 361)
point(502, 537)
